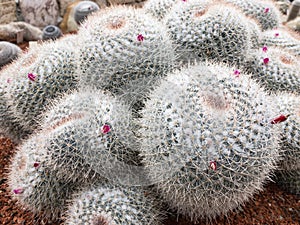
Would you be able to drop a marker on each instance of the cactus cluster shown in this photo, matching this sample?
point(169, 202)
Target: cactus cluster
point(174, 97)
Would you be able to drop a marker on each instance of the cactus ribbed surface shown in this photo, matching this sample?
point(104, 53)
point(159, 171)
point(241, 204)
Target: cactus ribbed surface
point(209, 31)
point(34, 185)
point(265, 12)
point(108, 204)
point(159, 8)
point(289, 180)
point(124, 50)
point(87, 132)
point(282, 38)
point(208, 140)
point(45, 72)
point(275, 69)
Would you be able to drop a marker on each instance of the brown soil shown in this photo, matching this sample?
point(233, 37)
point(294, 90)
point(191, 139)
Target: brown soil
point(273, 206)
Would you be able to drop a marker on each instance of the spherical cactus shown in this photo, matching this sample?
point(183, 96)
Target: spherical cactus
point(275, 69)
point(83, 9)
point(209, 31)
point(51, 32)
point(8, 52)
point(34, 185)
point(159, 8)
point(282, 38)
point(45, 72)
point(89, 132)
point(265, 12)
point(124, 50)
point(207, 139)
point(108, 204)
point(288, 110)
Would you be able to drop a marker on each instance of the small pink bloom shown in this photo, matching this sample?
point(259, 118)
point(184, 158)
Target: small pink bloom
point(36, 164)
point(140, 37)
point(276, 34)
point(265, 49)
point(266, 61)
point(8, 80)
point(279, 119)
point(31, 76)
point(18, 191)
point(237, 73)
point(267, 10)
point(105, 129)
point(184, 0)
point(213, 165)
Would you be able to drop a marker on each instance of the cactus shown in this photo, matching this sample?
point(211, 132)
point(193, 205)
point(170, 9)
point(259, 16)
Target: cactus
point(110, 204)
point(8, 52)
point(159, 8)
point(255, 33)
point(9, 127)
point(282, 38)
point(209, 31)
point(288, 106)
point(51, 32)
point(88, 132)
point(265, 12)
point(45, 72)
point(34, 185)
point(83, 9)
point(124, 50)
point(275, 69)
point(207, 139)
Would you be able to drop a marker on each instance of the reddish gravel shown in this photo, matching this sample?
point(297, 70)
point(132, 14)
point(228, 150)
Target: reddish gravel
point(270, 207)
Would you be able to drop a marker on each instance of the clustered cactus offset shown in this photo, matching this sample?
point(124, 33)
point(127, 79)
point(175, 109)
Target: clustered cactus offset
point(192, 99)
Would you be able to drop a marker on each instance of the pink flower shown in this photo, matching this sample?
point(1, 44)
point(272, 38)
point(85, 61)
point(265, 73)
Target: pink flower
point(36, 164)
point(213, 165)
point(265, 49)
point(237, 73)
point(140, 37)
point(105, 129)
point(18, 191)
point(8, 80)
point(266, 61)
point(267, 10)
point(276, 34)
point(31, 76)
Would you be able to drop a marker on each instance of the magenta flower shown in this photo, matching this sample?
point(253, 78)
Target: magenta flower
point(31, 76)
point(140, 37)
point(213, 165)
point(8, 80)
point(266, 61)
point(267, 10)
point(18, 191)
point(276, 34)
point(279, 119)
point(265, 49)
point(237, 73)
point(105, 129)
point(36, 164)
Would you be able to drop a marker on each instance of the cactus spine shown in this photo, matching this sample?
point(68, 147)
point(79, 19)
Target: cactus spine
point(213, 131)
point(110, 204)
point(209, 31)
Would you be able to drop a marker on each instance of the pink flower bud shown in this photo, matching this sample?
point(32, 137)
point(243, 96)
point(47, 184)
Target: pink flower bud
point(213, 165)
point(266, 61)
point(105, 129)
point(18, 191)
point(265, 49)
point(31, 76)
point(140, 37)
